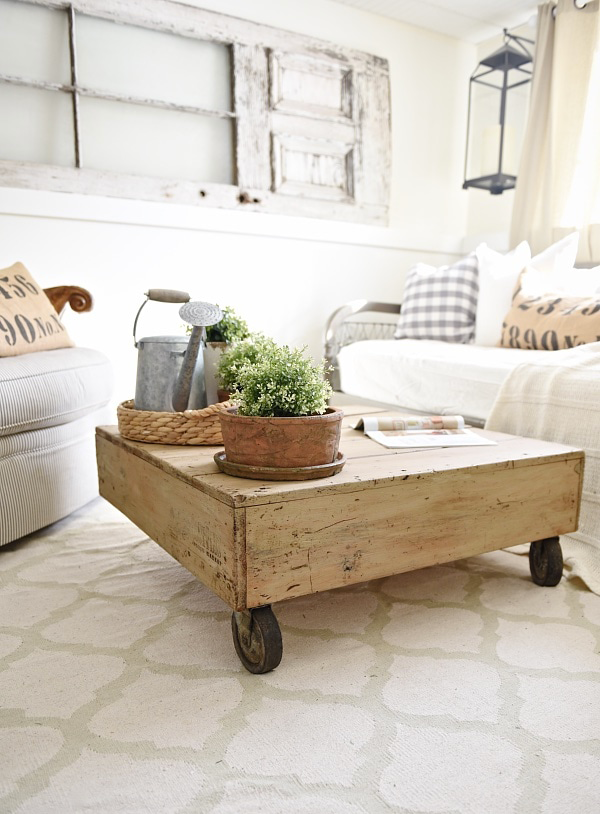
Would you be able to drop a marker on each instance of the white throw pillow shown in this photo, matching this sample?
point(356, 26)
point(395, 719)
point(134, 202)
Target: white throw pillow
point(573, 282)
point(439, 303)
point(582, 282)
point(554, 271)
point(559, 257)
point(498, 276)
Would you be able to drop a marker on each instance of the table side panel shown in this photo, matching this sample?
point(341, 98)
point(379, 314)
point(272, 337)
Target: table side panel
point(203, 534)
point(300, 547)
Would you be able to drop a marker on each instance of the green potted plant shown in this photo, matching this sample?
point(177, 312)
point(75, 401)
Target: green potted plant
point(247, 351)
point(230, 329)
point(281, 418)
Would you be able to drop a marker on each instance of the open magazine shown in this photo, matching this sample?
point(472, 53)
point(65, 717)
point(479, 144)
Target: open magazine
point(420, 431)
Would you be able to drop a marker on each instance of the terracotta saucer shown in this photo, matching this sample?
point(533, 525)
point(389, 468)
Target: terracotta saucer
point(279, 473)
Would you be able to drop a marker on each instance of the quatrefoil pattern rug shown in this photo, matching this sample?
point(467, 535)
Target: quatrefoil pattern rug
point(459, 688)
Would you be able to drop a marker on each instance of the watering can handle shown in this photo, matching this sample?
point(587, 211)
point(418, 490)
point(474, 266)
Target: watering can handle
point(167, 295)
point(160, 295)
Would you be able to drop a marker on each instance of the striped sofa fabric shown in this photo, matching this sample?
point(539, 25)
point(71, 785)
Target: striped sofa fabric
point(50, 402)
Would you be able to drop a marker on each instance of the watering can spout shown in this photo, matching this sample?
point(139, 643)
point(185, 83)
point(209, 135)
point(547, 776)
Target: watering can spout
point(183, 385)
point(198, 315)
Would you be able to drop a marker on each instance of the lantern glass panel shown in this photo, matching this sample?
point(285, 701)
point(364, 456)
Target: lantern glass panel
point(498, 112)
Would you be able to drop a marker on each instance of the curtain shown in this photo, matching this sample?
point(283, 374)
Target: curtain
point(558, 183)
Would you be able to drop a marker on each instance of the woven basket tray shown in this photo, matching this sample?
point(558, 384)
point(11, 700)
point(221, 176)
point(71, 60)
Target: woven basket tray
point(194, 427)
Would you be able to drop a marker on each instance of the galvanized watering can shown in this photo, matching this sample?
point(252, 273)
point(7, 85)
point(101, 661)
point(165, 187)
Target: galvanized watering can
point(170, 369)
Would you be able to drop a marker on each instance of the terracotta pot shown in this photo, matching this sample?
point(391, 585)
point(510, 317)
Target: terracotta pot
point(223, 395)
point(309, 440)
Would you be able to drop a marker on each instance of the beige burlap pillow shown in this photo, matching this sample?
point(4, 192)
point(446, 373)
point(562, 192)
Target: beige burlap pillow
point(28, 321)
point(551, 322)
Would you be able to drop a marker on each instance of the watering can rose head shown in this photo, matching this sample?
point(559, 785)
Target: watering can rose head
point(283, 381)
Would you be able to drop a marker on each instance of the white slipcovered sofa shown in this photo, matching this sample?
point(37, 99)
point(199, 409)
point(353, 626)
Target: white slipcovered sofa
point(549, 394)
point(428, 376)
point(50, 403)
point(443, 356)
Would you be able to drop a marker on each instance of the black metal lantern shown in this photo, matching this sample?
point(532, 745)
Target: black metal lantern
point(491, 152)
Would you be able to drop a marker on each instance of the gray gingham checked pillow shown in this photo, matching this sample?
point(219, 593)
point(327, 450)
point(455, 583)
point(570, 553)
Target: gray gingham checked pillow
point(440, 303)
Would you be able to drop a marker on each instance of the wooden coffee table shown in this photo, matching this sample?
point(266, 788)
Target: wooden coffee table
point(388, 511)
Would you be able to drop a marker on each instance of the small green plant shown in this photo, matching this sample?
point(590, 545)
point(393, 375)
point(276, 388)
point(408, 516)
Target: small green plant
point(247, 351)
point(282, 382)
point(231, 328)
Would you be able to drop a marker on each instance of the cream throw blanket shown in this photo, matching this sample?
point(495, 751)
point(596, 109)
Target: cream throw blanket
point(558, 399)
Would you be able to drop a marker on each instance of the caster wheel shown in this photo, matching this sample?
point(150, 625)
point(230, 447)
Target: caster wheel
point(257, 639)
point(546, 561)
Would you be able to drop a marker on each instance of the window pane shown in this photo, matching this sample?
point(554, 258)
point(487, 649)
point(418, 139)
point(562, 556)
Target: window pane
point(140, 62)
point(34, 42)
point(151, 141)
point(36, 125)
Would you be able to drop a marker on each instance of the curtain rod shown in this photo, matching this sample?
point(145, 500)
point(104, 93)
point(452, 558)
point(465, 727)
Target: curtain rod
point(579, 5)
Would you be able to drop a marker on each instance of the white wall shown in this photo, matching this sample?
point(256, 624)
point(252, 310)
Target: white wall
point(284, 275)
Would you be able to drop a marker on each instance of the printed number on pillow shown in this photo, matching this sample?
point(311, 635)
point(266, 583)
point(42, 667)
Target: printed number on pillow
point(440, 303)
point(551, 322)
point(28, 321)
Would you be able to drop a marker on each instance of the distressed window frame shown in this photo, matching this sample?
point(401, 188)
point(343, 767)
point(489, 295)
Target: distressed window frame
point(268, 128)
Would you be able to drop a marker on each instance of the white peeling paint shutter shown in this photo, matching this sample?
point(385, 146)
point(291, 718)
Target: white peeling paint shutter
point(326, 125)
point(311, 122)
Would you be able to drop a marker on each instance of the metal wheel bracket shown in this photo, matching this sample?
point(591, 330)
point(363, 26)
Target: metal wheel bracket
point(243, 620)
point(257, 638)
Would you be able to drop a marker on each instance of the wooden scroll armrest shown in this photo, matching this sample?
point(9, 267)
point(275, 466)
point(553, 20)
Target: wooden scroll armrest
point(78, 298)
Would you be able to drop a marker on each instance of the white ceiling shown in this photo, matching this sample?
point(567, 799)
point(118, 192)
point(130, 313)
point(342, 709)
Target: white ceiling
point(471, 20)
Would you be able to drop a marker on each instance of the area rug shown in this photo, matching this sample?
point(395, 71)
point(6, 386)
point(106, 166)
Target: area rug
point(458, 688)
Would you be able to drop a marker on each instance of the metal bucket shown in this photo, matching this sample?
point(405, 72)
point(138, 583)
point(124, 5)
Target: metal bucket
point(160, 359)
